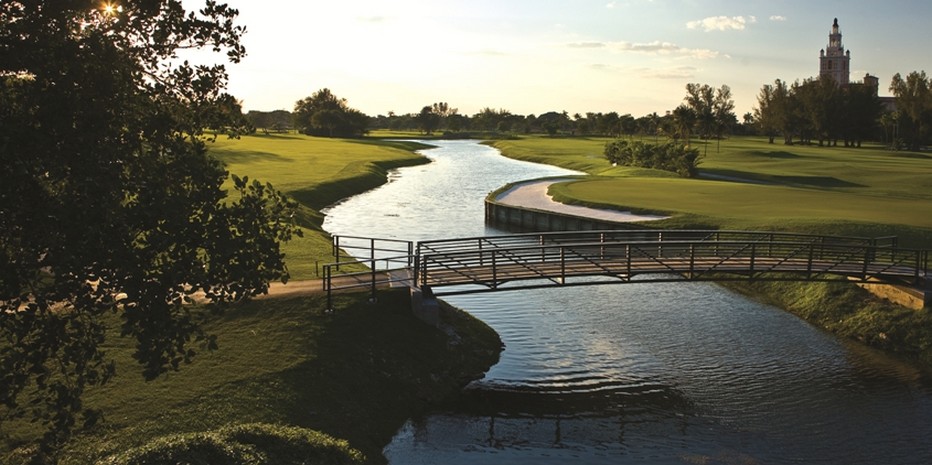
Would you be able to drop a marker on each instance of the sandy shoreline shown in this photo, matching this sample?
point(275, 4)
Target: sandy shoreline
point(533, 194)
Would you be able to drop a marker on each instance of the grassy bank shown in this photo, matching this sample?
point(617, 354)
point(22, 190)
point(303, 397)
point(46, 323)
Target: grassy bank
point(357, 374)
point(752, 185)
point(851, 312)
point(316, 172)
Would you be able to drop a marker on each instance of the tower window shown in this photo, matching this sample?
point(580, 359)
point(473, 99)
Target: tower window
point(830, 65)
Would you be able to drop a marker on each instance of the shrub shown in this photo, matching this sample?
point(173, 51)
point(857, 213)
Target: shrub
point(244, 444)
point(668, 156)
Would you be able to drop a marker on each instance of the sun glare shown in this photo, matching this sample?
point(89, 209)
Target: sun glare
point(110, 9)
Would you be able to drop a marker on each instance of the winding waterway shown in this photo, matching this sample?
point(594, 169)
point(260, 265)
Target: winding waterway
point(681, 373)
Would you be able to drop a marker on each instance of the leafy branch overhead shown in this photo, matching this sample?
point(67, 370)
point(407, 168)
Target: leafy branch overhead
point(109, 202)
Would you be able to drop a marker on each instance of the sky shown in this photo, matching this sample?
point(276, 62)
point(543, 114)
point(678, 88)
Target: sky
point(531, 57)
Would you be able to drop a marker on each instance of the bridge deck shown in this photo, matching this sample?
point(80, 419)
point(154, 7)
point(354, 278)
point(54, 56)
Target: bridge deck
point(550, 259)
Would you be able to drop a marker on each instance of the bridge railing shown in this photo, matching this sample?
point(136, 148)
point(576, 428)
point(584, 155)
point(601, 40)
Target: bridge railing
point(446, 245)
point(692, 259)
point(372, 262)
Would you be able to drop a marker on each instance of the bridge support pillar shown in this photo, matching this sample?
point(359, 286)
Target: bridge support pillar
point(425, 306)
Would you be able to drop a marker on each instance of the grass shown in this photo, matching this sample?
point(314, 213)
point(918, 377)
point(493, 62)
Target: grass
point(316, 172)
point(755, 185)
point(357, 374)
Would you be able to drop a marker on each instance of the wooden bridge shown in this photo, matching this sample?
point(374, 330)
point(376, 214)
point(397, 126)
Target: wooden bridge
point(537, 260)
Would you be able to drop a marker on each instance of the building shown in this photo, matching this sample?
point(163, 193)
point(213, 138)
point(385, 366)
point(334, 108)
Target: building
point(835, 61)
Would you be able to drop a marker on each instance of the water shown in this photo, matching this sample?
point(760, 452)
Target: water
point(639, 373)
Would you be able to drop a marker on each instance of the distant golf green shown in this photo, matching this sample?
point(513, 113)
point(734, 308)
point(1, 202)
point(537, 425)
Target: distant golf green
point(747, 183)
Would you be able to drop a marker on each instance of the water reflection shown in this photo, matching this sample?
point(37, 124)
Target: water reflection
point(639, 373)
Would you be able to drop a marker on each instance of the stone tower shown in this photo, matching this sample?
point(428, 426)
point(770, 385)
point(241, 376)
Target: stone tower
point(834, 61)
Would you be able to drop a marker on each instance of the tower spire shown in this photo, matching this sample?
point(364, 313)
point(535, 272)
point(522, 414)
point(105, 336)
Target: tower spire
point(834, 61)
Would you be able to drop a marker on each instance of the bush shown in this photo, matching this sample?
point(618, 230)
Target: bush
point(668, 156)
point(244, 444)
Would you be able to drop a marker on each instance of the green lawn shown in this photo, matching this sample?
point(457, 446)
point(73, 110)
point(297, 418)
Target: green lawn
point(750, 184)
point(316, 172)
point(357, 374)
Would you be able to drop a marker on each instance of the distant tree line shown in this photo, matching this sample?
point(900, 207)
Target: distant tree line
point(324, 114)
point(818, 110)
point(812, 111)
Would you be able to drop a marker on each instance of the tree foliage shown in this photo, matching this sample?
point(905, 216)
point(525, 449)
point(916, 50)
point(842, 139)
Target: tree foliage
point(818, 110)
point(914, 107)
point(325, 114)
point(109, 202)
point(669, 156)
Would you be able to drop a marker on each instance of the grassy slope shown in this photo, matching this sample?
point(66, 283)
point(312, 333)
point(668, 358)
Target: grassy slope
point(316, 172)
point(356, 374)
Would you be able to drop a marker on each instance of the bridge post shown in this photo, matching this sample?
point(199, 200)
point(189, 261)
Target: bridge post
point(372, 297)
point(562, 265)
point(867, 258)
point(692, 261)
point(602, 246)
point(328, 286)
point(753, 255)
point(659, 244)
point(809, 264)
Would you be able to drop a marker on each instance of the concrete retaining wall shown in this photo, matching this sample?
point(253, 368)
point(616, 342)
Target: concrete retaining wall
point(513, 218)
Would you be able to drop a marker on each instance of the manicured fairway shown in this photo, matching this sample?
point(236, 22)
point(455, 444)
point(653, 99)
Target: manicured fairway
point(316, 172)
point(750, 184)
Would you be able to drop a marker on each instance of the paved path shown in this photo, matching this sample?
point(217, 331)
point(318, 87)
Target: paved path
point(533, 194)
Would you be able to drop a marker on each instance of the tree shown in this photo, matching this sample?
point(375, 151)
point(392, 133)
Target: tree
point(914, 103)
point(723, 112)
point(684, 118)
point(701, 100)
point(429, 119)
point(325, 114)
point(109, 201)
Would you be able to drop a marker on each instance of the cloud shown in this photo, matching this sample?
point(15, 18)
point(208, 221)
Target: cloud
point(610, 5)
point(656, 48)
point(587, 45)
point(666, 48)
point(675, 73)
point(778, 18)
point(722, 23)
point(373, 19)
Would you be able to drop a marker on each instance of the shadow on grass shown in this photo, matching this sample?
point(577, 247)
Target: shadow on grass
point(376, 365)
point(282, 136)
point(242, 156)
point(920, 156)
point(816, 181)
point(779, 154)
point(824, 182)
